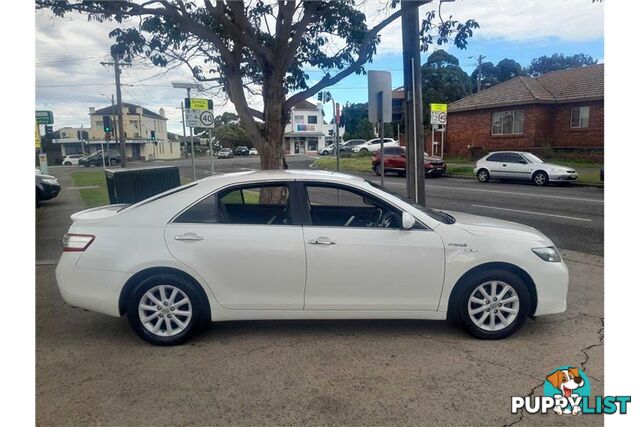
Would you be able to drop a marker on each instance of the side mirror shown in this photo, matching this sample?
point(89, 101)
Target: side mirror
point(523, 162)
point(408, 221)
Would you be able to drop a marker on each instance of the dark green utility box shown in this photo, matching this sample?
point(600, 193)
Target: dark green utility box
point(134, 185)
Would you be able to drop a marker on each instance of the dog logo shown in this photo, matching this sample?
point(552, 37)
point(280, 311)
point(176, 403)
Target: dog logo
point(568, 385)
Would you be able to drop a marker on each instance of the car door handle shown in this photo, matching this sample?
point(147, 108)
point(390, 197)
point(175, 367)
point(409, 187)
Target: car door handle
point(321, 241)
point(504, 165)
point(189, 237)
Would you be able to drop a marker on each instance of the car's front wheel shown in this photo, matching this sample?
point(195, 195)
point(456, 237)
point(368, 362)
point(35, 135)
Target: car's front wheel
point(167, 309)
point(364, 150)
point(113, 162)
point(540, 178)
point(493, 304)
point(67, 163)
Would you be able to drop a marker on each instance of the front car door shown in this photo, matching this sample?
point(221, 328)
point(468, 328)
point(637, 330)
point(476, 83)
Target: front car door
point(245, 241)
point(359, 257)
point(514, 166)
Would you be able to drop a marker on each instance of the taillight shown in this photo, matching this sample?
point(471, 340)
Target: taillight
point(76, 242)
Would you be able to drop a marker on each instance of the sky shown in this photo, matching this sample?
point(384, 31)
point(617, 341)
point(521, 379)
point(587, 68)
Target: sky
point(69, 50)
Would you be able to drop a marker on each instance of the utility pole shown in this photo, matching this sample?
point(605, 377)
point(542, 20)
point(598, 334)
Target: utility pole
point(479, 76)
point(120, 127)
point(414, 129)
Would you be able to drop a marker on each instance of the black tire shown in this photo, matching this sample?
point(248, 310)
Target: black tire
point(113, 162)
point(37, 199)
point(483, 175)
point(67, 163)
point(460, 304)
point(364, 150)
point(377, 170)
point(199, 304)
point(540, 178)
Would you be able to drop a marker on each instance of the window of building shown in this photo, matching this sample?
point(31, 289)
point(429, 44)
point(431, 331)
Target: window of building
point(580, 117)
point(312, 120)
point(298, 119)
point(507, 122)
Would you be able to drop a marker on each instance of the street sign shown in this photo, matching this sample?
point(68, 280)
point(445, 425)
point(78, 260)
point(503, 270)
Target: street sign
point(44, 117)
point(438, 114)
point(198, 118)
point(198, 103)
point(37, 136)
point(379, 81)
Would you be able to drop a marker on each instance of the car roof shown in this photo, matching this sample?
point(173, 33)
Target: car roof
point(510, 152)
point(275, 175)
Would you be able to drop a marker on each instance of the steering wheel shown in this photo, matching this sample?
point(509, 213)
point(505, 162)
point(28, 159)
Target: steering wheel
point(386, 220)
point(376, 217)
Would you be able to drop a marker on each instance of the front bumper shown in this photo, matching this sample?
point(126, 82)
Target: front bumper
point(552, 284)
point(49, 191)
point(563, 176)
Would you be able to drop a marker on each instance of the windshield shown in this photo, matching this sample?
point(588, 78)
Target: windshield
point(531, 158)
point(433, 213)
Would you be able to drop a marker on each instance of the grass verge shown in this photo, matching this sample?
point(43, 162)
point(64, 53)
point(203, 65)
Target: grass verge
point(355, 164)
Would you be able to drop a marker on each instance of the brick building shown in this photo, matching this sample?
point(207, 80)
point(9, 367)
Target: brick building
point(561, 110)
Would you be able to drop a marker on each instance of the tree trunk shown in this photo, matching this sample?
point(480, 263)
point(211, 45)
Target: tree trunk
point(271, 154)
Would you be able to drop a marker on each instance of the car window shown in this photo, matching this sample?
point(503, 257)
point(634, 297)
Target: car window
point(511, 158)
point(265, 204)
point(338, 206)
point(495, 157)
point(202, 212)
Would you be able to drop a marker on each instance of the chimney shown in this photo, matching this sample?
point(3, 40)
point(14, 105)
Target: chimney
point(162, 112)
point(92, 110)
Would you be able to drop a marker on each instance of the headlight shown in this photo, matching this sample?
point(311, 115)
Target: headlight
point(50, 181)
point(551, 254)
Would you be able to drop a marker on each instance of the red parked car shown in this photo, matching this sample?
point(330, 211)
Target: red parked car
point(395, 160)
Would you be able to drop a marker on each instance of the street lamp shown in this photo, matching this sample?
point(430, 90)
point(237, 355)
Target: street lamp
point(188, 86)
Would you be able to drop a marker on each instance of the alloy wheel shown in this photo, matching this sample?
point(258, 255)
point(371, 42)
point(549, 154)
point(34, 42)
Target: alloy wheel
point(540, 179)
point(483, 176)
point(493, 305)
point(165, 310)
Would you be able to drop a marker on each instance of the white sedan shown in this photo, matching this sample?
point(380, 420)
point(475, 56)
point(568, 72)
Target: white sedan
point(72, 159)
point(178, 260)
point(522, 166)
point(373, 145)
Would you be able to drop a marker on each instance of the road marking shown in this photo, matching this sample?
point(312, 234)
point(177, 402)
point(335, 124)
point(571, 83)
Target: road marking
point(580, 199)
point(532, 213)
point(83, 187)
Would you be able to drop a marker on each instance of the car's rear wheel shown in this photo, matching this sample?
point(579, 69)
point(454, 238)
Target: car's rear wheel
point(364, 150)
point(67, 163)
point(167, 309)
point(540, 178)
point(493, 304)
point(483, 175)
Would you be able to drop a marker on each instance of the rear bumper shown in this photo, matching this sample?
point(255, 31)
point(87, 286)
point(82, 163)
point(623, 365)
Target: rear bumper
point(95, 290)
point(437, 171)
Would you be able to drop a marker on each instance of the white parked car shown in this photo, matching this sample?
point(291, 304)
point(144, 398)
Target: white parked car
point(373, 145)
point(253, 151)
point(178, 260)
point(72, 159)
point(523, 166)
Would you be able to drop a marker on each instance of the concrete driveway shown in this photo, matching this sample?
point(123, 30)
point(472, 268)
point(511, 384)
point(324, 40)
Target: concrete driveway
point(92, 369)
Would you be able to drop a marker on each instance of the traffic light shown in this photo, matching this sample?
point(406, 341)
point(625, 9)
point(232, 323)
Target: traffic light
point(320, 96)
point(106, 123)
point(153, 135)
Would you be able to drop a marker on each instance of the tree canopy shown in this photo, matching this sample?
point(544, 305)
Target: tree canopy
point(259, 48)
point(558, 61)
point(443, 81)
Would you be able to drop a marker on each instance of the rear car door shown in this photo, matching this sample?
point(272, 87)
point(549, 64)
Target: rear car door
point(359, 257)
point(245, 241)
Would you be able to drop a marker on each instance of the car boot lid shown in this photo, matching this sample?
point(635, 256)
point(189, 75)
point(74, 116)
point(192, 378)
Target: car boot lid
point(98, 213)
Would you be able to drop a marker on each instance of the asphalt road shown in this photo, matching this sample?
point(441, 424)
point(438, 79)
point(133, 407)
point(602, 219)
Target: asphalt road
point(572, 216)
point(92, 369)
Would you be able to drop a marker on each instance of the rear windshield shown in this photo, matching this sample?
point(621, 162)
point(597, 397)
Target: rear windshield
point(161, 195)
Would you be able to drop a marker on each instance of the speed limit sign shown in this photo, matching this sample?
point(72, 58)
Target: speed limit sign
point(206, 118)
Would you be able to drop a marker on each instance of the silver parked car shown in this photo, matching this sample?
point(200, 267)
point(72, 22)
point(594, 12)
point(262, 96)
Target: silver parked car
point(521, 165)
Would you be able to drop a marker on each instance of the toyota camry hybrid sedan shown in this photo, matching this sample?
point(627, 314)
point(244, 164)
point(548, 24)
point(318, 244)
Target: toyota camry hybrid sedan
point(176, 261)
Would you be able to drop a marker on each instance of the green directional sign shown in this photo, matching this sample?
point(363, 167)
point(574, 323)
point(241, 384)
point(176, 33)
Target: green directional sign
point(44, 117)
